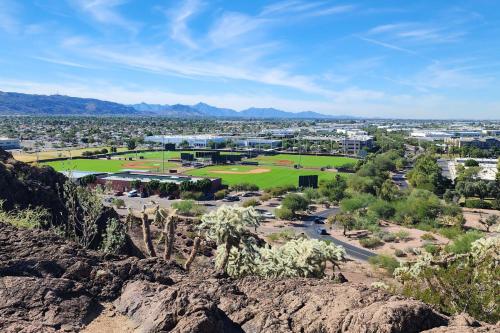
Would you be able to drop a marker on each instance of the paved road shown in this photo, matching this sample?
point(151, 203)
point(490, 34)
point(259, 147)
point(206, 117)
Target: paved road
point(351, 250)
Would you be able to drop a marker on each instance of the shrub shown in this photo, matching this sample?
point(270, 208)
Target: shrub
point(118, 203)
point(431, 248)
point(402, 235)
point(389, 237)
point(28, 218)
point(428, 237)
point(463, 243)
point(382, 209)
point(476, 203)
point(188, 208)
point(471, 163)
point(371, 242)
point(284, 235)
point(244, 187)
point(389, 263)
point(451, 233)
point(265, 197)
point(114, 237)
point(284, 214)
point(399, 253)
point(251, 203)
point(295, 202)
point(192, 195)
point(220, 194)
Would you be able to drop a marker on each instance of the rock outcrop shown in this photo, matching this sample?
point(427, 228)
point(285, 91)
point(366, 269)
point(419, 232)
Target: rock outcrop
point(49, 285)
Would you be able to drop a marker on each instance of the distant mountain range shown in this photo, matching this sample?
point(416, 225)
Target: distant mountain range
point(28, 104)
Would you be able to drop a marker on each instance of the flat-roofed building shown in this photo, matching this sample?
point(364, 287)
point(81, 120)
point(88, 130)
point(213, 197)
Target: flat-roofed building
point(8, 143)
point(481, 143)
point(196, 141)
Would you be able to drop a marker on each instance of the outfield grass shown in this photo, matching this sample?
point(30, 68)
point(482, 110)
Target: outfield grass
point(107, 165)
point(307, 161)
point(278, 176)
point(49, 154)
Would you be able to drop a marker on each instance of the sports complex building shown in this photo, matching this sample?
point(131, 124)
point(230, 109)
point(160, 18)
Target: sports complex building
point(203, 141)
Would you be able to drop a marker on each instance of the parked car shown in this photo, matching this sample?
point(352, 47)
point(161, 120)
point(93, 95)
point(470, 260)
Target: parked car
point(118, 193)
point(132, 193)
point(231, 198)
point(267, 215)
point(318, 220)
point(321, 231)
point(144, 194)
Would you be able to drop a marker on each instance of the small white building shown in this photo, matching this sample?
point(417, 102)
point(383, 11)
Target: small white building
point(8, 143)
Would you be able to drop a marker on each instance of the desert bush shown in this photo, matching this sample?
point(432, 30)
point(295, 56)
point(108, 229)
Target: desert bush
point(221, 194)
point(371, 242)
point(450, 233)
point(457, 283)
point(265, 197)
point(188, 195)
point(285, 235)
point(114, 237)
point(284, 214)
point(428, 237)
point(431, 248)
point(118, 203)
point(29, 218)
point(188, 208)
point(463, 243)
point(251, 203)
point(402, 235)
point(389, 263)
point(399, 253)
point(244, 187)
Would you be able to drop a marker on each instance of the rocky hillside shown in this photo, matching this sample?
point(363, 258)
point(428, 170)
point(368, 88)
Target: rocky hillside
point(23, 185)
point(49, 285)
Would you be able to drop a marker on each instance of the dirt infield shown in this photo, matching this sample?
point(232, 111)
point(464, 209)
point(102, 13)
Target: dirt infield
point(283, 162)
point(137, 165)
point(249, 172)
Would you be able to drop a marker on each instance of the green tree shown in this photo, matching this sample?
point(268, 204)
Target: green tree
point(346, 220)
point(131, 144)
point(295, 203)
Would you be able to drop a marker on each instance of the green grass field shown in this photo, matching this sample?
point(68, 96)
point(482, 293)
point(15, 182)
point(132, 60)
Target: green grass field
point(307, 161)
point(277, 175)
point(109, 165)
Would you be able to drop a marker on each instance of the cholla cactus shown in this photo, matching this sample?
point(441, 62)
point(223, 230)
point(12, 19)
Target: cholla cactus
point(457, 282)
point(300, 257)
point(227, 226)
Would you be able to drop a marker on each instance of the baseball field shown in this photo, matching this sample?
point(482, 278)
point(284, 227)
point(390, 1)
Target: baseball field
point(262, 176)
point(272, 170)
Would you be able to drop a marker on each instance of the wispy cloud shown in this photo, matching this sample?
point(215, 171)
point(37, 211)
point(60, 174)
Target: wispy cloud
point(305, 8)
point(63, 62)
point(419, 32)
point(106, 12)
point(179, 17)
point(232, 26)
point(387, 45)
point(8, 20)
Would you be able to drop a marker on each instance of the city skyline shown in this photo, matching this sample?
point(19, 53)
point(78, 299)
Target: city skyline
point(425, 60)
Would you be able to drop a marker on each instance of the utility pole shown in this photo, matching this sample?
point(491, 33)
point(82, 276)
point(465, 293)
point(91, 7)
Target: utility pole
point(163, 153)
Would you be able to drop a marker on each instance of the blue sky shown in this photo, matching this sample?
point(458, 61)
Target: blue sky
point(411, 59)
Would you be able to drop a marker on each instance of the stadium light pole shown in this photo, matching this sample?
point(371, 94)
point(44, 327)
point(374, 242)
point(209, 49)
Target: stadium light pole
point(163, 153)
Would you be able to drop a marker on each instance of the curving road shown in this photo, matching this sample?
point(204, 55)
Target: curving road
point(351, 250)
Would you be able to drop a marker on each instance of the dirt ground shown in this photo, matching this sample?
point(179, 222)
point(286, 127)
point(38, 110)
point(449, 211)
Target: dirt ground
point(472, 217)
point(249, 172)
point(110, 321)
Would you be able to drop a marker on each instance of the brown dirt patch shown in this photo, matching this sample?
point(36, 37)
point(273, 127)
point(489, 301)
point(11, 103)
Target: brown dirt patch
point(283, 162)
point(137, 165)
point(249, 172)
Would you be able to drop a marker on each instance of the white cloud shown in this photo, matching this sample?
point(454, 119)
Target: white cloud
point(232, 26)
point(179, 30)
point(105, 12)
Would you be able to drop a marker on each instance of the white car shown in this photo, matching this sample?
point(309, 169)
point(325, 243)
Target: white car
point(132, 193)
point(267, 214)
